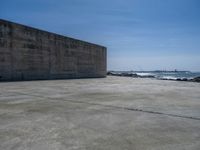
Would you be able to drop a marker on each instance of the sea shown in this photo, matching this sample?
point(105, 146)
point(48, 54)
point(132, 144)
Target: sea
point(165, 75)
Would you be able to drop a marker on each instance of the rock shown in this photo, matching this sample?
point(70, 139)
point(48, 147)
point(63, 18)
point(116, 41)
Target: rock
point(197, 79)
point(112, 73)
point(109, 73)
point(127, 74)
point(146, 76)
point(134, 75)
point(123, 74)
point(184, 79)
point(178, 79)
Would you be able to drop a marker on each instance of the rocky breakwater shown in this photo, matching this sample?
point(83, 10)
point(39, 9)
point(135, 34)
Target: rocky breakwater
point(149, 75)
point(130, 74)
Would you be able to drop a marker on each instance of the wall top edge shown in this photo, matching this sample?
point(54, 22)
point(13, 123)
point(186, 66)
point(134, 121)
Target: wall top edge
point(63, 36)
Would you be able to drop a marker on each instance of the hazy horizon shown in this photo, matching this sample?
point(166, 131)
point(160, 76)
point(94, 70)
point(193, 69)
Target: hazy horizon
point(139, 34)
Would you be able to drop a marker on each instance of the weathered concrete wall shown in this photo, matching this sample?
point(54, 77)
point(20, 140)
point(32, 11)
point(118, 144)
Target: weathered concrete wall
point(27, 54)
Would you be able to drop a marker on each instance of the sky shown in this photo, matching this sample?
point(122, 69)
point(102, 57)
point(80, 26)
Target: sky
point(139, 34)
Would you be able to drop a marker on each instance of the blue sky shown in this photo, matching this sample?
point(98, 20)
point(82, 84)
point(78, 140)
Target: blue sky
point(139, 34)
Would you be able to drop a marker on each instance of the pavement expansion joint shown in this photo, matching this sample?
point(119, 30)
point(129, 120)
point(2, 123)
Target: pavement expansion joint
point(117, 107)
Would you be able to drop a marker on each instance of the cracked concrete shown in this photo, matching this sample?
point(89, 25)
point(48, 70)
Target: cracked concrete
point(100, 114)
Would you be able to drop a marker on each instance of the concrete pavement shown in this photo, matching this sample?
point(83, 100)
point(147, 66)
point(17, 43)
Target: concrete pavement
point(113, 113)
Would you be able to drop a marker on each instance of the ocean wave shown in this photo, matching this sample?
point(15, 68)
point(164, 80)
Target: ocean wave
point(174, 78)
point(145, 74)
point(168, 78)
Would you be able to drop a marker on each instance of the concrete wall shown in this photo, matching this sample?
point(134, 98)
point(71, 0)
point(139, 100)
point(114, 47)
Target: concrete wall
point(27, 54)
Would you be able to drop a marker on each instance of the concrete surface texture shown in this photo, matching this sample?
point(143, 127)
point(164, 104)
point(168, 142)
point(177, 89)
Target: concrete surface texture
point(113, 113)
point(27, 53)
